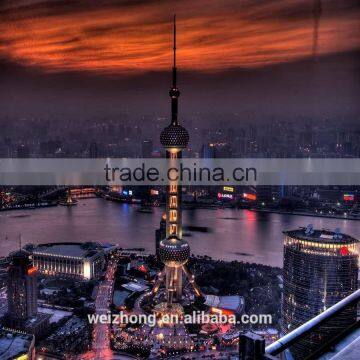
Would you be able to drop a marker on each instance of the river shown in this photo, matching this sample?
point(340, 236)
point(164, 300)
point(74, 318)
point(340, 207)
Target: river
point(233, 234)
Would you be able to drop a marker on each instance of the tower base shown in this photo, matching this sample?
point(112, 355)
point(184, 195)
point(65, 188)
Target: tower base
point(168, 314)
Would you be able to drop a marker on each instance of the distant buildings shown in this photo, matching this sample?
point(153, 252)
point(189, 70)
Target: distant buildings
point(320, 269)
point(23, 151)
point(16, 346)
point(251, 346)
point(146, 148)
point(84, 261)
point(216, 150)
point(93, 150)
point(207, 151)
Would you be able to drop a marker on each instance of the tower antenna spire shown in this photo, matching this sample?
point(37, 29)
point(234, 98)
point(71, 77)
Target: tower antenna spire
point(174, 91)
point(174, 51)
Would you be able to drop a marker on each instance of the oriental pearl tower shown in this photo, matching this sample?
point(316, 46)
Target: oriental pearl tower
point(174, 252)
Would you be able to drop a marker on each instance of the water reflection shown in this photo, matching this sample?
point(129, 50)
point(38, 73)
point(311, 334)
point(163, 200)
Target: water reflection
point(235, 234)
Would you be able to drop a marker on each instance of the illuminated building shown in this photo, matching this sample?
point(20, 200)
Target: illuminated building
point(22, 286)
point(320, 269)
point(173, 251)
point(74, 260)
point(207, 151)
point(22, 296)
point(17, 346)
point(230, 304)
point(69, 201)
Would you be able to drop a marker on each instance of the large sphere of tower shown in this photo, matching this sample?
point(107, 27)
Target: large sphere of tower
point(174, 136)
point(174, 252)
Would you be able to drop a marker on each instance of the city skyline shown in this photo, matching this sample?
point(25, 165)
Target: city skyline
point(234, 270)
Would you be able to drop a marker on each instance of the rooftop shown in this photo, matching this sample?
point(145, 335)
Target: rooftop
point(135, 287)
point(56, 315)
point(323, 236)
point(232, 302)
point(71, 249)
point(13, 344)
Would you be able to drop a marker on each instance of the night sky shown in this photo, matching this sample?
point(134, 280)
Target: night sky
point(250, 57)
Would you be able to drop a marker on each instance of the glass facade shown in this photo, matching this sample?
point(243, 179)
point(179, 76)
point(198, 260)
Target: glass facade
point(320, 269)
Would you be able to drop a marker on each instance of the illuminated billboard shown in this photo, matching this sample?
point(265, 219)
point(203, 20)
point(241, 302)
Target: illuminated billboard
point(228, 188)
point(225, 196)
point(248, 196)
point(349, 197)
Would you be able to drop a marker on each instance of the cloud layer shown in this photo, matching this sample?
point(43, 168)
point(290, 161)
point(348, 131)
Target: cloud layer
point(134, 36)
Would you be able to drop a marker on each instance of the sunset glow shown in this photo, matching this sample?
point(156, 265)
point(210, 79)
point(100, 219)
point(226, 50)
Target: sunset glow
point(118, 37)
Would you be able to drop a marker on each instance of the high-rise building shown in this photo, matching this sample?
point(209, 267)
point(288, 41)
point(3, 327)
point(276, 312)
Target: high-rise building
point(320, 269)
point(207, 151)
point(174, 252)
point(23, 151)
point(251, 346)
point(22, 287)
point(22, 312)
point(93, 150)
point(146, 148)
point(160, 234)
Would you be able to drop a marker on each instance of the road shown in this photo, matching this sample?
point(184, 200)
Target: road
point(101, 333)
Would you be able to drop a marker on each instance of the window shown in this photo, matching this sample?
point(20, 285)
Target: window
point(173, 201)
point(173, 229)
point(173, 215)
point(173, 188)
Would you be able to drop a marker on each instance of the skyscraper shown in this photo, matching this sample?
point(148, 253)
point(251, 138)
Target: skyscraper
point(23, 151)
point(93, 150)
point(174, 252)
point(320, 269)
point(23, 312)
point(146, 148)
point(160, 234)
point(22, 287)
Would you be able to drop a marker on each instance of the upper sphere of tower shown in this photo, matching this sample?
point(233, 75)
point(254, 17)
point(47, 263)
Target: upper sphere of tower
point(174, 136)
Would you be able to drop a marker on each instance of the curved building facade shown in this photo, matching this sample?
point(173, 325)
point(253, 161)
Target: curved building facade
point(320, 269)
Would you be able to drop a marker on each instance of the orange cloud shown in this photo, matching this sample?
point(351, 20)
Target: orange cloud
point(135, 36)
